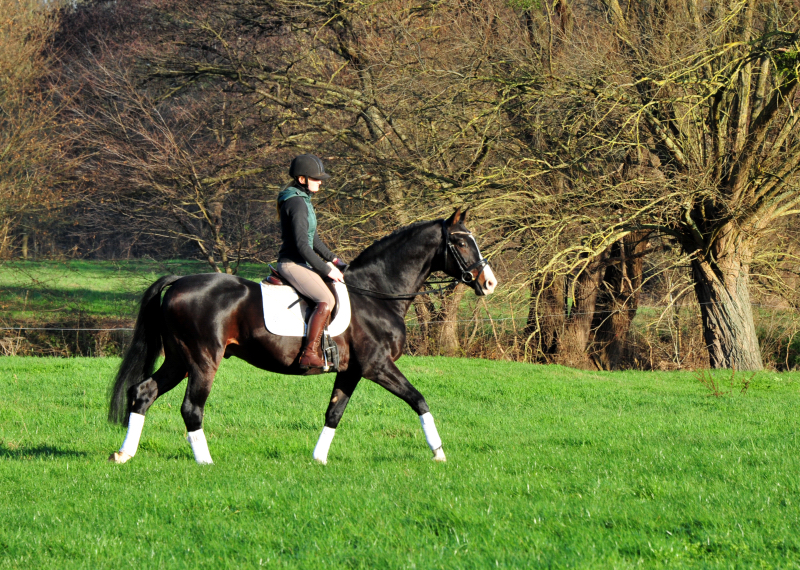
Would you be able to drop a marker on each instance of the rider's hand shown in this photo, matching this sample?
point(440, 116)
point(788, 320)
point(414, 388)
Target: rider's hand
point(341, 265)
point(335, 274)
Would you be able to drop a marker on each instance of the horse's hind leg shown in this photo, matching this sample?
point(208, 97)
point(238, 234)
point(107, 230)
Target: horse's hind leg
point(201, 377)
point(141, 396)
point(343, 388)
point(393, 380)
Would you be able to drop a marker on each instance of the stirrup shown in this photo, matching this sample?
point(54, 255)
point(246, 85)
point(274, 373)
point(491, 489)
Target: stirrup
point(330, 352)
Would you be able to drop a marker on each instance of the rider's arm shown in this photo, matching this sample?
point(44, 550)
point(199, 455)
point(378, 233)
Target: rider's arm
point(298, 217)
point(322, 249)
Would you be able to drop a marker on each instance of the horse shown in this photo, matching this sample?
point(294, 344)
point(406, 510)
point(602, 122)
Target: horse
point(205, 318)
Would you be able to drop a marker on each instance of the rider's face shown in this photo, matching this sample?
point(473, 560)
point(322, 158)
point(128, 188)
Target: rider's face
point(312, 183)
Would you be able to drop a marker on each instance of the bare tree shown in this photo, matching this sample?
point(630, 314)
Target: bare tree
point(723, 119)
point(30, 156)
point(712, 96)
point(161, 161)
point(176, 169)
point(395, 107)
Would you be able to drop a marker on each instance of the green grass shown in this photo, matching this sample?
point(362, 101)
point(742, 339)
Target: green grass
point(51, 290)
point(547, 467)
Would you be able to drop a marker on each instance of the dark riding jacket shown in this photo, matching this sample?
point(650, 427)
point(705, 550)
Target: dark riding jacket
point(301, 242)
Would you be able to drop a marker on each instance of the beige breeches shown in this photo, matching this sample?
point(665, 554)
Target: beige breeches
point(307, 282)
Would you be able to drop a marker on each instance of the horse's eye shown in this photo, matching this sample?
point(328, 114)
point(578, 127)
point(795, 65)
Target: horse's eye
point(461, 243)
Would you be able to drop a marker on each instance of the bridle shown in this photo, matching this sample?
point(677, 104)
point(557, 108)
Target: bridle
point(466, 272)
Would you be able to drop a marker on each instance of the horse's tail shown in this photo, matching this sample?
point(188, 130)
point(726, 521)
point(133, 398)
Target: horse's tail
point(140, 358)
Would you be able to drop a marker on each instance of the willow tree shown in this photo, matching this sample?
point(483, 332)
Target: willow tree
point(708, 90)
point(715, 89)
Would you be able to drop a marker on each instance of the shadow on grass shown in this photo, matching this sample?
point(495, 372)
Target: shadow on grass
point(37, 452)
point(41, 293)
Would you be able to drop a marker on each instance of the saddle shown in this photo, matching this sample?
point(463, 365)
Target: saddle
point(275, 278)
point(286, 312)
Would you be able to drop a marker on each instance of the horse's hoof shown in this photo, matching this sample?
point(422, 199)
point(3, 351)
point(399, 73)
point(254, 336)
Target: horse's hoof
point(438, 455)
point(119, 457)
point(321, 461)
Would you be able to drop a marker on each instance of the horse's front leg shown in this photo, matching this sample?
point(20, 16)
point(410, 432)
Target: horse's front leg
point(390, 377)
point(343, 388)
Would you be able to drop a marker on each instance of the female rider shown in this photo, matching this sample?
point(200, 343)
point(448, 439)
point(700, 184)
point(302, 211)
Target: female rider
point(303, 256)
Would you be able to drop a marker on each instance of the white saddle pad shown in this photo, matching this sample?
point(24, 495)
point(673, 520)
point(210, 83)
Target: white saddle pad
point(285, 311)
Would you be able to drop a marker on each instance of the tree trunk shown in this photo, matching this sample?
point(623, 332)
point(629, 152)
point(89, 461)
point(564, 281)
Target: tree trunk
point(448, 329)
point(545, 318)
point(423, 309)
point(576, 335)
point(723, 293)
point(5, 238)
point(619, 299)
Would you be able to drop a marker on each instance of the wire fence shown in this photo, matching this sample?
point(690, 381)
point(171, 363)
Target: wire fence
point(660, 337)
point(24, 328)
point(66, 341)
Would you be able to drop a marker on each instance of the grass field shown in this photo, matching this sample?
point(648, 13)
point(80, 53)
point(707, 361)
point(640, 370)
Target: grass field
point(547, 467)
point(41, 290)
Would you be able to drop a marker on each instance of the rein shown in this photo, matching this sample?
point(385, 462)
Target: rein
point(451, 283)
point(466, 274)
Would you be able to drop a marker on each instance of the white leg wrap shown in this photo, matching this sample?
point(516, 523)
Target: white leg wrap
point(197, 439)
point(431, 435)
point(324, 444)
point(131, 443)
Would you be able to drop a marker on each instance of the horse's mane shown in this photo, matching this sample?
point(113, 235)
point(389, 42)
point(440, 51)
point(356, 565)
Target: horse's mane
point(379, 247)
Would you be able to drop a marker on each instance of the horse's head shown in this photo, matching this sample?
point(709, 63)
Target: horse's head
point(462, 257)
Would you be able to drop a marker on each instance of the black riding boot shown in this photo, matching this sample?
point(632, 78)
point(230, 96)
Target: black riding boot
point(312, 356)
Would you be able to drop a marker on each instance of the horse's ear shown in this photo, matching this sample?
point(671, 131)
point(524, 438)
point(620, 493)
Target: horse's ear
point(456, 218)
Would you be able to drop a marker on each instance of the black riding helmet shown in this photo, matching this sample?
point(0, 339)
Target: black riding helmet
point(308, 165)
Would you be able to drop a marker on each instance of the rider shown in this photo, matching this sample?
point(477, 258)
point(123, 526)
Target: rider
point(302, 257)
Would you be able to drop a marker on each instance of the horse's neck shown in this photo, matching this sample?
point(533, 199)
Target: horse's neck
point(403, 262)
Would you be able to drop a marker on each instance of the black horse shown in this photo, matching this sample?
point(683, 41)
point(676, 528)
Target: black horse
point(205, 318)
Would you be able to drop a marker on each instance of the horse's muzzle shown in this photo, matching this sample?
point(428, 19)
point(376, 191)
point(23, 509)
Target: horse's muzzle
point(486, 282)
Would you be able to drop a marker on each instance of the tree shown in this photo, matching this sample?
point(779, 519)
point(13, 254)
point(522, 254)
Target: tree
point(712, 96)
point(158, 159)
point(30, 156)
point(351, 81)
point(582, 134)
point(723, 119)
